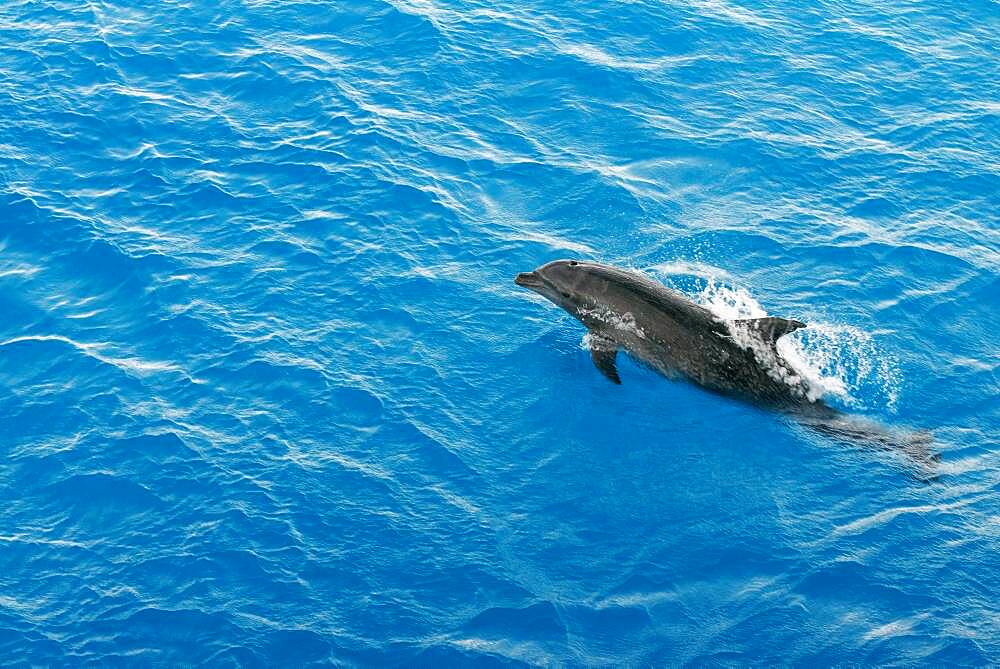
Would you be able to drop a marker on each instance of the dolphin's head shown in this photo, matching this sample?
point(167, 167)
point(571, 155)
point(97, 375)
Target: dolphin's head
point(570, 284)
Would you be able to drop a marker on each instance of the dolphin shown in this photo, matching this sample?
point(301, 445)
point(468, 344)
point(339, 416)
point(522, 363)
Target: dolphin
point(624, 310)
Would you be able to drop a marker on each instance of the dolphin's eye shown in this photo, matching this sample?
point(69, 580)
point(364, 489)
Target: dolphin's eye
point(565, 293)
point(573, 263)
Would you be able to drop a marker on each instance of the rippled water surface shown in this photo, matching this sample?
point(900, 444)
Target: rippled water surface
point(270, 396)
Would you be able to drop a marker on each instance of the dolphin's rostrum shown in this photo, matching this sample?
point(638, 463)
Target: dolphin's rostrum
point(625, 310)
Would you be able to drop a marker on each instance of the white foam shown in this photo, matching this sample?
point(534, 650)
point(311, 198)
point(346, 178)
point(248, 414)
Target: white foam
point(622, 322)
point(847, 362)
point(729, 303)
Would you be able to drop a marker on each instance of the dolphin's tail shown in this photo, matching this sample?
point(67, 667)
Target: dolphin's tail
point(915, 446)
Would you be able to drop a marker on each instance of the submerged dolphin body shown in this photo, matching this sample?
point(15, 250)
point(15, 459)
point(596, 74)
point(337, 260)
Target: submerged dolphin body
point(624, 310)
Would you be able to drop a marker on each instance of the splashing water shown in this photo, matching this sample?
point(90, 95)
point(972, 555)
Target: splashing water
point(842, 363)
point(846, 362)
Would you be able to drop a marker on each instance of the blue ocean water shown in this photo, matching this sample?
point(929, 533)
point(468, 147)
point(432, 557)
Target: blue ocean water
point(270, 396)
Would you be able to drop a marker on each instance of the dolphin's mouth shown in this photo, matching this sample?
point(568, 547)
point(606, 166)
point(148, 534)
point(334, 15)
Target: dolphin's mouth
point(529, 280)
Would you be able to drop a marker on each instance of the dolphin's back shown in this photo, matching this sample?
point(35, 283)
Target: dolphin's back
point(681, 337)
point(658, 297)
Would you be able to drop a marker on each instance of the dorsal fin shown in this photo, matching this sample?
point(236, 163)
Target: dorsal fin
point(770, 328)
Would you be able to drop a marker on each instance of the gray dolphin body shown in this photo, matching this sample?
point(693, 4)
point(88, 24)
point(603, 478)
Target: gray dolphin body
point(624, 310)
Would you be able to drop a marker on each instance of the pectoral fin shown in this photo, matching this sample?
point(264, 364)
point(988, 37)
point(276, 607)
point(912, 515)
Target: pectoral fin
point(603, 352)
point(770, 328)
